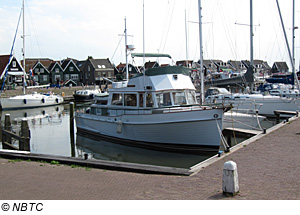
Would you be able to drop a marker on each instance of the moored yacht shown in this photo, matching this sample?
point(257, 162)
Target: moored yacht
point(155, 110)
point(265, 104)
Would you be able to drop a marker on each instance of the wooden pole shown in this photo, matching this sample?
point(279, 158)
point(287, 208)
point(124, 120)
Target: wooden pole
point(7, 127)
point(72, 129)
point(24, 144)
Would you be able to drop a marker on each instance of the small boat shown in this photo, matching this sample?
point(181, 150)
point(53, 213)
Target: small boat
point(156, 110)
point(32, 100)
point(85, 95)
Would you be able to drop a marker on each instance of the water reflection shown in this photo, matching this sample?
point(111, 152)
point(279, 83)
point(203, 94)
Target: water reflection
point(50, 134)
point(103, 150)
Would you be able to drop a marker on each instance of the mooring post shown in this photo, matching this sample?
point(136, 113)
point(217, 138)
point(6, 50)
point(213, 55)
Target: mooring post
point(230, 178)
point(24, 144)
point(277, 117)
point(72, 129)
point(7, 127)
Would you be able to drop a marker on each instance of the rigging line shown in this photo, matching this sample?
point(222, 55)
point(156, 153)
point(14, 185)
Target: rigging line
point(164, 25)
point(168, 29)
point(227, 31)
point(34, 30)
point(117, 47)
point(11, 52)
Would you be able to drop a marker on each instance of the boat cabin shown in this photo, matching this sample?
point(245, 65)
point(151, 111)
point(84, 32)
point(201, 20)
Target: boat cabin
point(163, 89)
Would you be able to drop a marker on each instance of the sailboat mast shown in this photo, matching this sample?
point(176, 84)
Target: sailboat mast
point(201, 53)
point(126, 48)
point(251, 33)
point(23, 51)
point(287, 43)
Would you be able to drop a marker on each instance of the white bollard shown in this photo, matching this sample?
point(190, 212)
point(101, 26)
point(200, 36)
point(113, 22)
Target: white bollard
point(230, 178)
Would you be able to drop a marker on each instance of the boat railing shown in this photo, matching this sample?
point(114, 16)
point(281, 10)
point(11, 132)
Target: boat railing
point(116, 111)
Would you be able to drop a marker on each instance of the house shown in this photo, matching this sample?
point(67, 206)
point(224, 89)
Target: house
point(280, 67)
point(185, 63)
point(13, 68)
point(132, 70)
point(71, 71)
point(31, 62)
point(41, 74)
point(149, 65)
point(237, 66)
point(93, 70)
point(56, 73)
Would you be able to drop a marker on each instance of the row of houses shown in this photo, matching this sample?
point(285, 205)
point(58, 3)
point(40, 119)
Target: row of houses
point(66, 72)
point(93, 71)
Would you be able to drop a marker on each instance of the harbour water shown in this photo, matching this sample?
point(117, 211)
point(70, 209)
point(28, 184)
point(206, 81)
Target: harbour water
point(50, 135)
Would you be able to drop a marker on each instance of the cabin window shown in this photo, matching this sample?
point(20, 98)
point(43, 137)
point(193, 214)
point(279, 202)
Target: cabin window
point(71, 68)
point(117, 99)
point(41, 70)
point(179, 98)
point(45, 77)
point(163, 99)
point(191, 97)
point(14, 64)
point(56, 70)
point(149, 100)
point(130, 100)
point(141, 100)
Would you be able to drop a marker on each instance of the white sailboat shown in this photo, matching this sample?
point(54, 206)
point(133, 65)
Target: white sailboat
point(29, 100)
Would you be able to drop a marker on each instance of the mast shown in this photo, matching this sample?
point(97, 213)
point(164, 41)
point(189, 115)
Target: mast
point(287, 43)
point(23, 51)
point(251, 42)
point(186, 41)
point(201, 53)
point(126, 48)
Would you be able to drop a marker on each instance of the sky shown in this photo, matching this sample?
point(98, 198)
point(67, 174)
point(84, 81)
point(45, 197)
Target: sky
point(58, 29)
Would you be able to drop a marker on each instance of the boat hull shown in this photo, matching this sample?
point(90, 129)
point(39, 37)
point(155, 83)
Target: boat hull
point(185, 131)
point(30, 101)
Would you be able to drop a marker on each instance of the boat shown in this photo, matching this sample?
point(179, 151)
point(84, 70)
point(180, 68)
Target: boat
point(32, 100)
point(29, 100)
point(264, 104)
point(234, 119)
point(282, 90)
point(156, 110)
point(85, 95)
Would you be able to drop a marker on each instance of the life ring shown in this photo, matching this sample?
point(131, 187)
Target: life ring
point(25, 102)
point(43, 100)
point(56, 100)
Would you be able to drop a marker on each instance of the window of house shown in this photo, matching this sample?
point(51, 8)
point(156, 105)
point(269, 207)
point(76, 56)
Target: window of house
point(117, 99)
point(14, 64)
point(130, 100)
point(56, 70)
point(71, 68)
point(45, 77)
point(57, 77)
point(74, 76)
point(89, 68)
point(67, 76)
point(36, 70)
point(41, 70)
